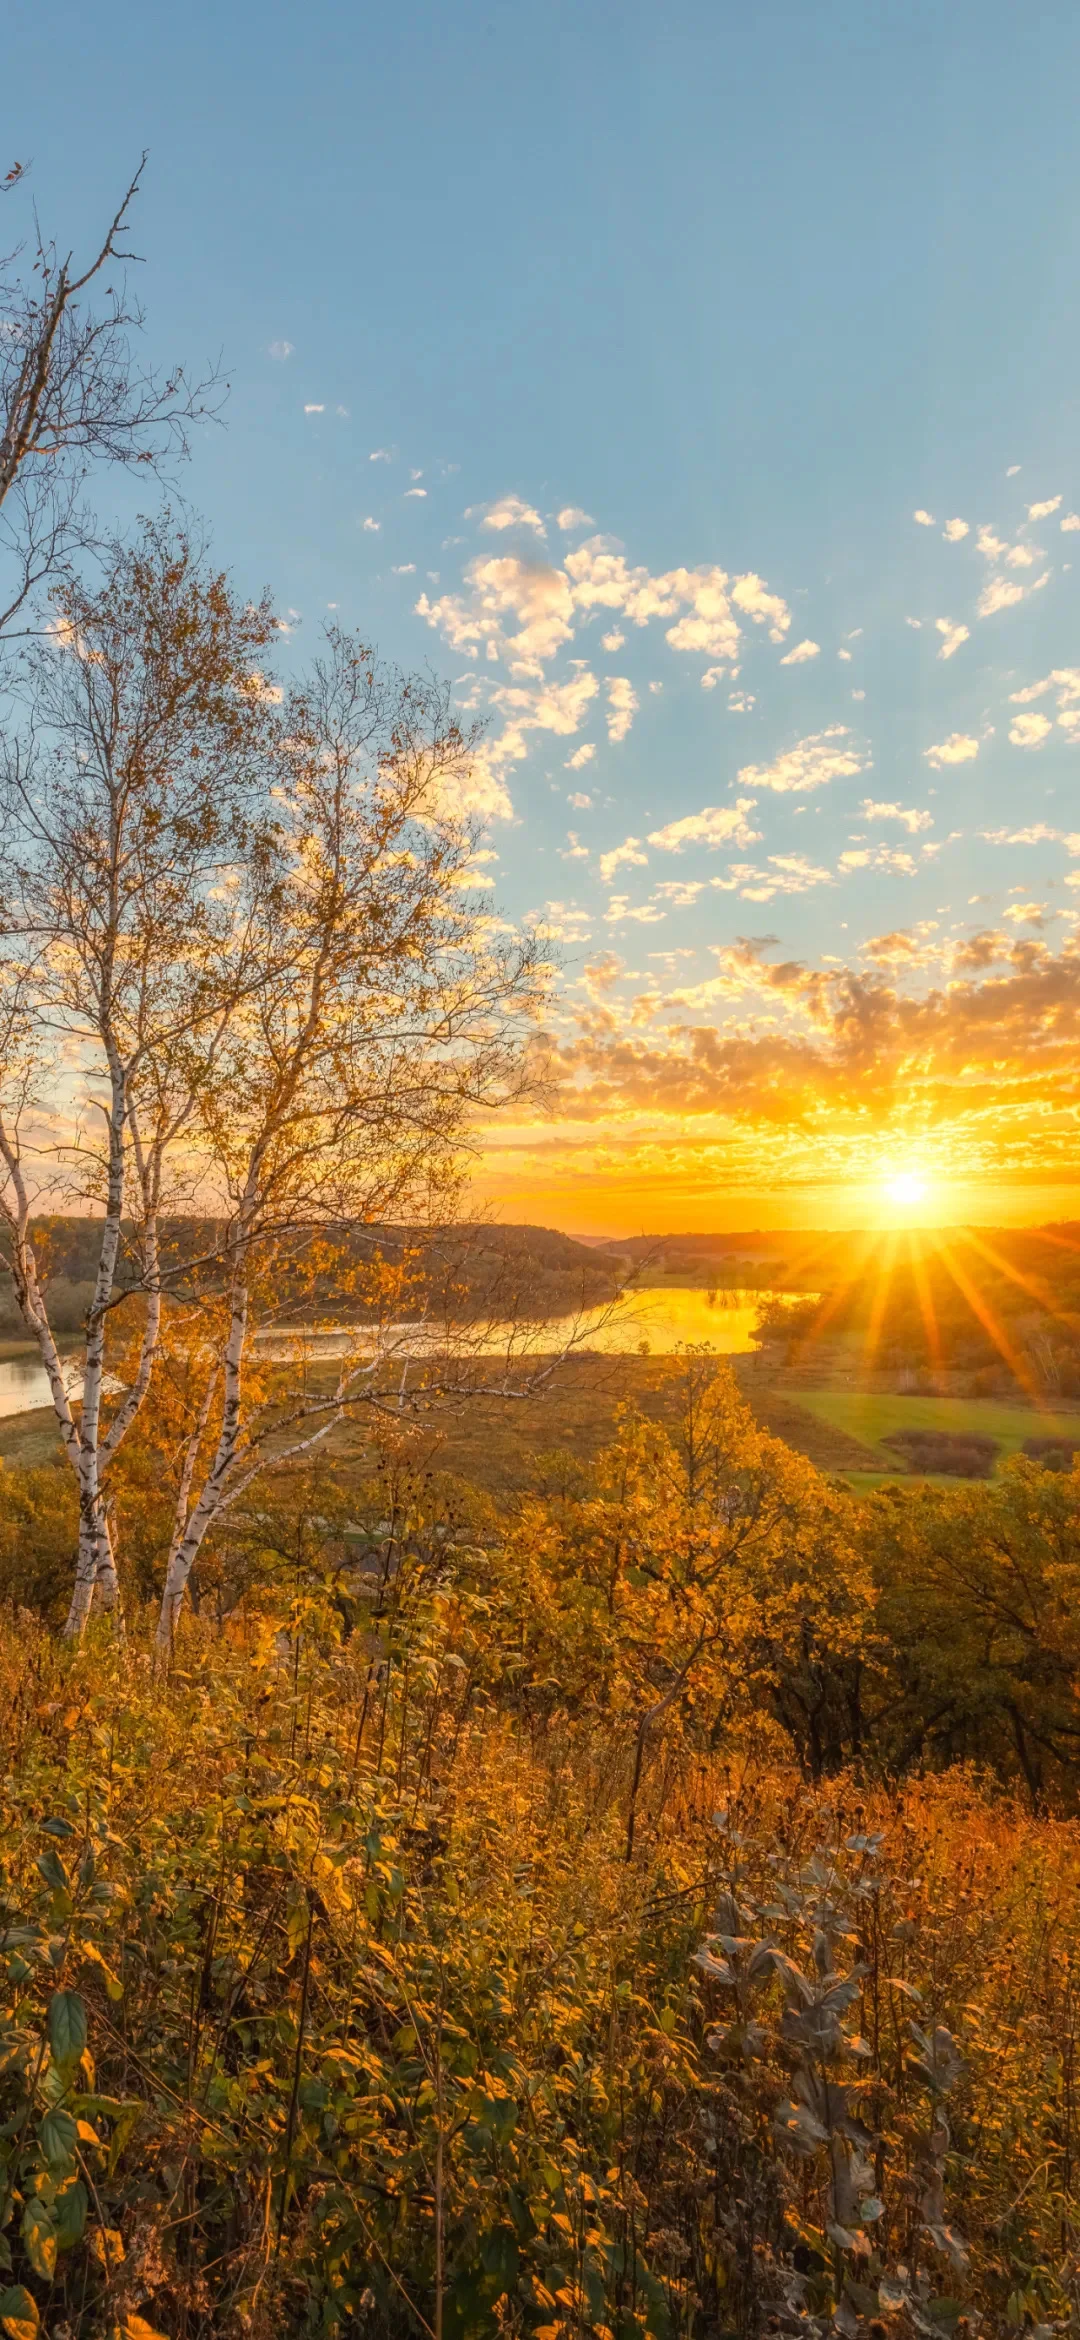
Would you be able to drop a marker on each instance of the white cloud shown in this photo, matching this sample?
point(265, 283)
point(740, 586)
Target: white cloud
point(959, 748)
point(714, 825)
point(741, 702)
point(955, 531)
point(912, 819)
point(281, 349)
point(1030, 730)
point(1012, 471)
point(879, 857)
point(951, 637)
point(578, 800)
point(380, 455)
point(998, 594)
point(1070, 523)
point(925, 519)
point(809, 764)
point(557, 707)
point(1043, 511)
point(1026, 913)
point(1024, 556)
point(916, 623)
point(844, 654)
point(628, 853)
point(572, 516)
point(531, 593)
point(680, 892)
point(416, 491)
point(622, 707)
point(576, 762)
point(314, 410)
point(372, 526)
point(802, 652)
point(992, 547)
point(509, 512)
point(712, 676)
point(573, 850)
point(787, 873)
point(618, 908)
point(600, 578)
point(612, 641)
point(405, 569)
point(750, 595)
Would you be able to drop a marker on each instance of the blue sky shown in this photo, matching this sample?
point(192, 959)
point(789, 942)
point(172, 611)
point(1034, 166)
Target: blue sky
point(749, 289)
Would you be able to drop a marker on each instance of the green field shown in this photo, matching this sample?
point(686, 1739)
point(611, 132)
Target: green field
point(871, 1418)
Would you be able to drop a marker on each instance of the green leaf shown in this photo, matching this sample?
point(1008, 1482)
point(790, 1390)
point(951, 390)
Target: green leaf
point(67, 2026)
point(70, 2212)
point(39, 2235)
point(18, 2313)
point(57, 1827)
point(58, 2136)
point(52, 1869)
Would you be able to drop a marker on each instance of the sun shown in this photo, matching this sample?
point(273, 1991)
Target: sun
point(907, 1186)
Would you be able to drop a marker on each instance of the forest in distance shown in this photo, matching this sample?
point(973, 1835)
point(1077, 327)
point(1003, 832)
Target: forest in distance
point(498, 1840)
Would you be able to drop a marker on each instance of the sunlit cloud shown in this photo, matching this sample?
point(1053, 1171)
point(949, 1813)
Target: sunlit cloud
point(811, 763)
point(952, 636)
point(911, 819)
point(959, 748)
point(924, 518)
point(955, 531)
point(1030, 730)
point(715, 825)
point(802, 652)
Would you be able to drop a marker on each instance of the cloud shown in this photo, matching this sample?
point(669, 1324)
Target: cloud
point(1043, 511)
point(1070, 523)
point(404, 569)
point(573, 850)
point(572, 516)
point(380, 455)
point(992, 548)
point(581, 756)
point(533, 595)
point(959, 748)
point(557, 707)
point(312, 409)
point(680, 893)
point(912, 820)
point(998, 594)
point(741, 702)
point(714, 825)
point(925, 519)
point(955, 531)
point(809, 764)
point(1026, 913)
point(372, 526)
point(622, 707)
point(579, 801)
point(415, 492)
point(801, 653)
point(619, 908)
point(628, 853)
point(509, 512)
point(601, 579)
point(712, 676)
point(952, 637)
point(1030, 730)
point(280, 349)
point(878, 857)
point(612, 641)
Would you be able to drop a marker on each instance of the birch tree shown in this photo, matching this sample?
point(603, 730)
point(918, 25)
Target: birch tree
point(74, 396)
point(246, 977)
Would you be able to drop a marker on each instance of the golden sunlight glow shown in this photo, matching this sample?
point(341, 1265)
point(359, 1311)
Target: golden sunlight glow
point(907, 1186)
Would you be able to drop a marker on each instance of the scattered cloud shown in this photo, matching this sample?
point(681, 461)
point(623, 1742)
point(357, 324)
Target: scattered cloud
point(801, 653)
point(714, 825)
point(1070, 523)
point(879, 857)
point(280, 349)
point(959, 748)
point(572, 516)
point(509, 512)
point(1043, 511)
point(372, 526)
point(955, 531)
point(951, 637)
point(416, 491)
point(925, 519)
point(629, 853)
point(1030, 730)
point(579, 801)
point(809, 764)
point(313, 409)
point(622, 707)
point(741, 702)
point(404, 569)
point(999, 593)
point(573, 850)
point(380, 455)
point(576, 762)
point(912, 819)
point(612, 641)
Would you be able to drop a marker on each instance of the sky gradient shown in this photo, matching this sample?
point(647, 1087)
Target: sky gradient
point(697, 389)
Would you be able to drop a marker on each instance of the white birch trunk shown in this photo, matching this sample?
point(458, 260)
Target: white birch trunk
point(190, 1532)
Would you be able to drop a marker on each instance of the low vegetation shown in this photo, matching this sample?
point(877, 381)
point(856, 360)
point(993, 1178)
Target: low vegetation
point(643, 1902)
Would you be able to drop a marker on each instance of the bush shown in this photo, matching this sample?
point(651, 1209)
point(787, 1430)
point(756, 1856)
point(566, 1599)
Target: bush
point(961, 1454)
